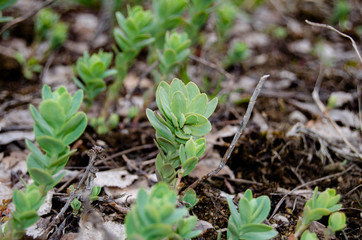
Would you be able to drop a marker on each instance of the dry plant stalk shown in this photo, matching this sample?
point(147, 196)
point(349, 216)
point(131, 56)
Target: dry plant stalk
point(237, 135)
point(315, 93)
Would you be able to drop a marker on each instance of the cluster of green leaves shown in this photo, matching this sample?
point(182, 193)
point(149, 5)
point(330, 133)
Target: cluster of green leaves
point(175, 51)
point(247, 222)
point(57, 124)
point(326, 204)
point(225, 18)
point(238, 52)
point(3, 5)
point(48, 28)
point(199, 13)
point(132, 36)
point(341, 12)
point(93, 196)
point(180, 128)
point(155, 216)
point(92, 70)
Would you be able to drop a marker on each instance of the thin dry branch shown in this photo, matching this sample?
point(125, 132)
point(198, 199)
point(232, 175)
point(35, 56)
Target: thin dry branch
point(354, 45)
point(213, 66)
point(237, 135)
point(324, 111)
point(93, 154)
point(26, 16)
point(340, 33)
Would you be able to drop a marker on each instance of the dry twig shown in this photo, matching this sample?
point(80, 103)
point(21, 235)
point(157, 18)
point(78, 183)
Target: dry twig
point(93, 154)
point(237, 135)
point(315, 93)
point(213, 66)
point(26, 16)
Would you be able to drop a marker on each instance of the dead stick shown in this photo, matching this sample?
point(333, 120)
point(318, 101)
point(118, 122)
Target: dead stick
point(340, 33)
point(324, 111)
point(26, 16)
point(237, 135)
point(307, 184)
point(213, 66)
point(93, 153)
point(354, 45)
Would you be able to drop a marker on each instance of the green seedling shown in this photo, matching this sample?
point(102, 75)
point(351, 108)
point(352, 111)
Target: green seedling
point(225, 18)
point(29, 66)
point(76, 205)
point(58, 35)
point(3, 5)
point(155, 216)
point(189, 198)
point(93, 196)
point(181, 127)
point(167, 16)
point(174, 53)
point(92, 70)
point(199, 13)
point(319, 206)
point(238, 52)
point(308, 236)
point(340, 13)
point(247, 222)
point(131, 36)
point(57, 124)
point(46, 19)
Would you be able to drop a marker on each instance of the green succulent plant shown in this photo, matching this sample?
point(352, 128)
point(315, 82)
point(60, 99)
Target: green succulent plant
point(247, 222)
point(57, 124)
point(155, 216)
point(324, 204)
point(181, 127)
point(45, 20)
point(199, 13)
point(92, 70)
point(131, 36)
point(225, 18)
point(167, 16)
point(238, 52)
point(175, 51)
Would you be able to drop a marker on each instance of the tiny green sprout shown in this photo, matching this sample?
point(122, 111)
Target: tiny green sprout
point(180, 128)
point(199, 13)
point(29, 66)
point(3, 5)
point(332, 102)
point(225, 17)
point(155, 216)
point(58, 35)
point(93, 70)
point(167, 16)
point(247, 222)
point(175, 51)
point(309, 236)
point(340, 13)
point(318, 206)
point(189, 198)
point(238, 52)
point(76, 205)
point(336, 222)
point(93, 196)
point(133, 111)
point(46, 18)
